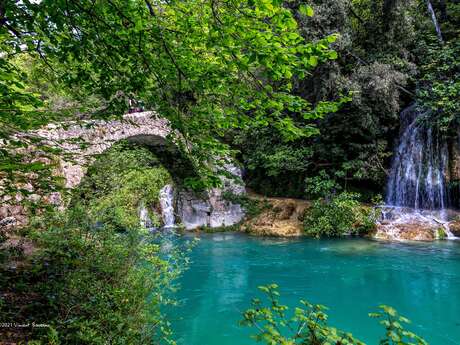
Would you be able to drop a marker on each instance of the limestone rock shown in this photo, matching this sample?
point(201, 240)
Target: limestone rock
point(408, 232)
point(211, 209)
point(284, 218)
point(408, 224)
point(454, 227)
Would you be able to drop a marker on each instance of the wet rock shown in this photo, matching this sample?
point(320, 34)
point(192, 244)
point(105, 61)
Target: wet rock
point(454, 161)
point(407, 232)
point(283, 218)
point(409, 224)
point(454, 227)
point(212, 210)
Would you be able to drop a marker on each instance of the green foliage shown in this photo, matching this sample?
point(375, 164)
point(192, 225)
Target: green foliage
point(98, 284)
point(385, 63)
point(274, 167)
point(24, 106)
point(97, 275)
point(123, 179)
point(120, 207)
point(308, 325)
point(252, 206)
point(374, 66)
point(439, 89)
point(19, 112)
point(320, 186)
point(394, 325)
point(207, 66)
point(57, 101)
point(339, 215)
point(105, 173)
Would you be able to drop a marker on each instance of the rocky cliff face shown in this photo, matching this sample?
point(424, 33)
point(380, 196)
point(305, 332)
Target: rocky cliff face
point(211, 209)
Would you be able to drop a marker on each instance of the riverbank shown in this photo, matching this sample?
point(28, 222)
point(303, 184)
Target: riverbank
point(284, 217)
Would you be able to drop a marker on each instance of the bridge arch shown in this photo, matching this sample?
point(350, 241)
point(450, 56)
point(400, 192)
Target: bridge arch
point(81, 142)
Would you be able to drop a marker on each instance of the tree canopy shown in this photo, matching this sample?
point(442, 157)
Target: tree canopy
point(207, 66)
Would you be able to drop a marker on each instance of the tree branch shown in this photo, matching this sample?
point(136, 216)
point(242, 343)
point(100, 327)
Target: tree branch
point(163, 41)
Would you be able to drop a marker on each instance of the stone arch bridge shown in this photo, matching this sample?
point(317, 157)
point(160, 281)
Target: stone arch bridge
point(81, 142)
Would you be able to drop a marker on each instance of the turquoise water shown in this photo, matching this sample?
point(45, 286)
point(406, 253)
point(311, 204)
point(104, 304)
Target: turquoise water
point(351, 277)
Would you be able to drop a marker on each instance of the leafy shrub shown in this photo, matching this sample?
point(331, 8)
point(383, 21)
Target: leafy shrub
point(119, 182)
point(120, 206)
point(342, 214)
point(308, 324)
point(93, 285)
point(98, 276)
point(320, 186)
point(394, 327)
point(102, 286)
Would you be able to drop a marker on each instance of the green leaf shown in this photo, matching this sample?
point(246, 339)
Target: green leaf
point(313, 60)
point(332, 55)
point(306, 10)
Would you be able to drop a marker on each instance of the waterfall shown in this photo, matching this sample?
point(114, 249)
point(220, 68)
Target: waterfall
point(434, 20)
point(144, 218)
point(416, 189)
point(417, 177)
point(167, 205)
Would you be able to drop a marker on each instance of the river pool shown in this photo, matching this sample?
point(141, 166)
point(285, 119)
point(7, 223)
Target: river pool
point(351, 277)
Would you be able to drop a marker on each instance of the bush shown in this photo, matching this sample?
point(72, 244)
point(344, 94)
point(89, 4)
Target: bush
point(120, 206)
point(98, 276)
point(122, 179)
point(94, 285)
point(308, 324)
point(320, 186)
point(341, 215)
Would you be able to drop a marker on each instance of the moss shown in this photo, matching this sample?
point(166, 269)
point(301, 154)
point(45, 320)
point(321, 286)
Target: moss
point(252, 206)
point(441, 233)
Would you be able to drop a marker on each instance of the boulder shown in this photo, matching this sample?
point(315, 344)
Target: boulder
point(211, 209)
point(283, 218)
point(454, 227)
point(408, 232)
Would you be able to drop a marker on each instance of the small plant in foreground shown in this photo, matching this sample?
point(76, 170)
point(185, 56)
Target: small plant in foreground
point(394, 325)
point(307, 325)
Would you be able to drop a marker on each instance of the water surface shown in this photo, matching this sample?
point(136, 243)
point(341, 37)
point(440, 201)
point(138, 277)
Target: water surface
point(351, 277)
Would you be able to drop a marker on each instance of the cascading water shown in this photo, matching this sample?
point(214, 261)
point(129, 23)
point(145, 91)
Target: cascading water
point(416, 189)
point(167, 205)
point(144, 218)
point(417, 177)
point(434, 20)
